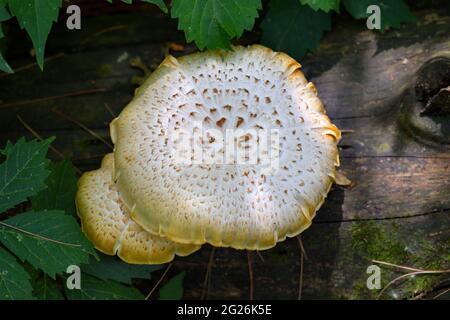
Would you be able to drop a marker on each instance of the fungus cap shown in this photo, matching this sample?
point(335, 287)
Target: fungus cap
point(107, 224)
point(260, 98)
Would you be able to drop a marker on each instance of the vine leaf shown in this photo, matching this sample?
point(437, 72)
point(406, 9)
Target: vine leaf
point(45, 288)
point(23, 173)
point(66, 245)
point(4, 66)
point(4, 14)
point(214, 23)
point(36, 17)
point(293, 28)
point(173, 289)
point(111, 268)
point(96, 289)
point(159, 3)
point(14, 280)
point(393, 12)
point(325, 5)
point(61, 189)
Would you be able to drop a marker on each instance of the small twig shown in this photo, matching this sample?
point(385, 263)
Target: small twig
point(395, 280)
point(31, 65)
point(260, 255)
point(64, 116)
point(415, 271)
point(419, 296)
point(110, 110)
point(300, 282)
point(406, 276)
point(302, 255)
point(39, 137)
point(159, 281)
point(37, 236)
point(302, 248)
point(100, 32)
point(250, 274)
point(410, 268)
point(441, 293)
point(206, 282)
point(64, 95)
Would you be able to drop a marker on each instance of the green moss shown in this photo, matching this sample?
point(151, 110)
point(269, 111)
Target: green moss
point(383, 241)
point(373, 242)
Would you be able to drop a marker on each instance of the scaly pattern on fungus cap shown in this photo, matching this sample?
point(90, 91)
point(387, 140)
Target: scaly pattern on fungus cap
point(234, 204)
point(107, 224)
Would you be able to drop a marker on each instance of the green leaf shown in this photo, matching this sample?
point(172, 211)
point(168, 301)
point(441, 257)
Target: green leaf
point(49, 256)
point(14, 280)
point(214, 23)
point(61, 189)
point(393, 12)
point(325, 5)
point(4, 66)
point(37, 17)
point(111, 268)
point(173, 289)
point(159, 3)
point(46, 288)
point(4, 14)
point(293, 28)
point(8, 147)
point(95, 289)
point(23, 173)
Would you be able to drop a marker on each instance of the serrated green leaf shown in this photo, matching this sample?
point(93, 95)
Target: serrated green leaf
point(4, 14)
point(214, 23)
point(37, 17)
point(173, 289)
point(51, 257)
point(45, 288)
point(4, 66)
point(96, 289)
point(61, 189)
point(293, 28)
point(111, 268)
point(8, 147)
point(393, 12)
point(325, 5)
point(24, 171)
point(159, 3)
point(14, 280)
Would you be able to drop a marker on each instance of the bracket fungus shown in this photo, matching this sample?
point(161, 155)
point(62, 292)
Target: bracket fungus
point(107, 224)
point(231, 148)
